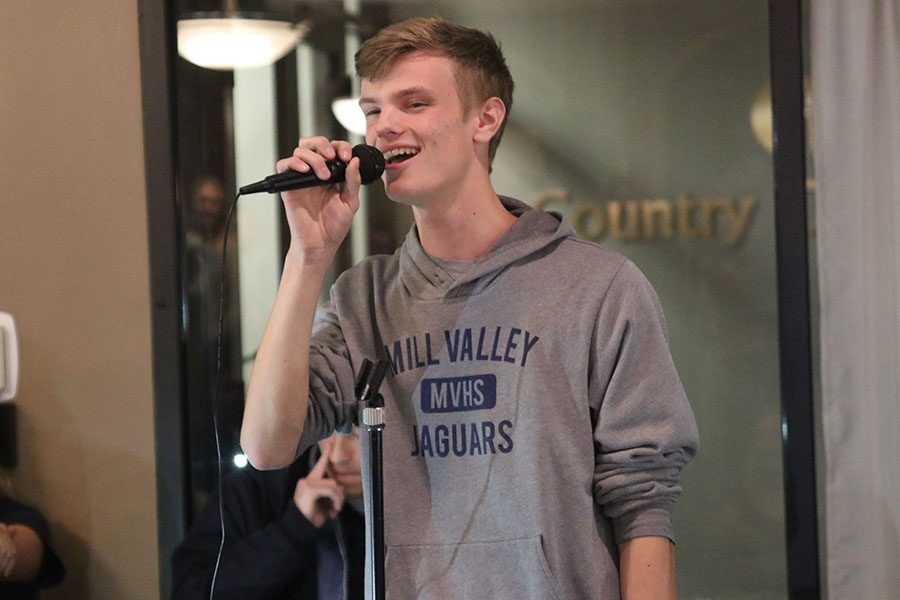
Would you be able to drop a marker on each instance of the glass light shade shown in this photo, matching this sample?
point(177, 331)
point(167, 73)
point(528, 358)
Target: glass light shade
point(348, 113)
point(761, 118)
point(234, 42)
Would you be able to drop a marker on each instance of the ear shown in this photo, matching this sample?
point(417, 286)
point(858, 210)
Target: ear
point(488, 119)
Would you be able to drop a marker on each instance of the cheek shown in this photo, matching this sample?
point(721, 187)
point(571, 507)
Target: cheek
point(431, 131)
point(438, 134)
point(354, 463)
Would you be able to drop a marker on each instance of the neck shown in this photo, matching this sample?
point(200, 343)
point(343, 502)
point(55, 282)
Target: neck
point(465, 227)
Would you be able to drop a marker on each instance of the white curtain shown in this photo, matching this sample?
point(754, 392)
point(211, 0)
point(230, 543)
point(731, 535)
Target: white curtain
point(855, 60)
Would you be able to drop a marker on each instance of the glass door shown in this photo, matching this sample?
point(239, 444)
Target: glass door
point(648, 125)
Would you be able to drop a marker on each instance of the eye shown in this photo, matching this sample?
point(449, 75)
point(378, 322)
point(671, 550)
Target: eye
point(370, 112)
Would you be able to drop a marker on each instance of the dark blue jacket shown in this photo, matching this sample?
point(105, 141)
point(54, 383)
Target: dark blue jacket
point(271, 550)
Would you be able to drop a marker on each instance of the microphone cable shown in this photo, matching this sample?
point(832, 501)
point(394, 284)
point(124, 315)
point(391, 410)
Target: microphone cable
point(215, 395)
point(372, 166)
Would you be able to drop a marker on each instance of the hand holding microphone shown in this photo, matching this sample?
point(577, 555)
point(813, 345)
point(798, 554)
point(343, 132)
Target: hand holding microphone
point(371, 166)
point(319, 184)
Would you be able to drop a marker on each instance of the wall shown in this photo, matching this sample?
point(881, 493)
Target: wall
point(74, 273)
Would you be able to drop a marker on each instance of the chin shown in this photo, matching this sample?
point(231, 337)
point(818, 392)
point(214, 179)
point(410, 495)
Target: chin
point(405, 195)
point(396, 192)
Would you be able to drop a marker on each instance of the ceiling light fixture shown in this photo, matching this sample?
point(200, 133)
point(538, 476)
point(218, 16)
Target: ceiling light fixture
point(230, 40)
point(348, 113)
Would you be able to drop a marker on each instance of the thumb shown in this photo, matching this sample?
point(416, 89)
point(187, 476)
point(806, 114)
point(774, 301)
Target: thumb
point(352, 178)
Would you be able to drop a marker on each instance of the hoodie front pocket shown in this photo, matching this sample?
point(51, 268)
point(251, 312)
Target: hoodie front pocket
point(507, 569)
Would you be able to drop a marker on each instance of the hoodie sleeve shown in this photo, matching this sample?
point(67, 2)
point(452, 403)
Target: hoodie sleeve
point(331, 380)
point(644, 428)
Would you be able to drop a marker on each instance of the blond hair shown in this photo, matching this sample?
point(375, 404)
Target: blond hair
point(481, 70)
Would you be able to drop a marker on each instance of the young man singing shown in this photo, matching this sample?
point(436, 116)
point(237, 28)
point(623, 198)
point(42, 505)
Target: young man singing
point(538, 427)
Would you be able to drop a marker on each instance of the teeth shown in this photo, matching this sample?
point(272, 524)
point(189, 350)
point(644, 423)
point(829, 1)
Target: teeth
point(391, 154)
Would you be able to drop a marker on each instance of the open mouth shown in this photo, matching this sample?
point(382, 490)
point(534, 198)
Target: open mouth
point(399, 155)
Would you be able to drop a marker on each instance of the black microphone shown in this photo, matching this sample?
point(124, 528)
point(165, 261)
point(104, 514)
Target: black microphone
point(371, 166)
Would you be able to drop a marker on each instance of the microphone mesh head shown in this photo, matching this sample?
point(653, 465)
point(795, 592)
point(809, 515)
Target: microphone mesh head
point(371, 162)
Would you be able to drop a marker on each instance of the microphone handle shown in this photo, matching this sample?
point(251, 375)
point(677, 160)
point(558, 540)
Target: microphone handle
point(295, 180)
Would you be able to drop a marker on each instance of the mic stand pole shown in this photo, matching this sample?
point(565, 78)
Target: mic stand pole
point(367, 383)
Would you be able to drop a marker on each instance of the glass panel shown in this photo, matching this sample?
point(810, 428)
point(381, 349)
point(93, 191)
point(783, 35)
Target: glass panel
point(646, 123)
point(232, 125)
point(205, 190)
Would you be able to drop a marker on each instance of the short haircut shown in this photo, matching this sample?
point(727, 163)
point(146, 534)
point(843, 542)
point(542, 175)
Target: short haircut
point(481, 70)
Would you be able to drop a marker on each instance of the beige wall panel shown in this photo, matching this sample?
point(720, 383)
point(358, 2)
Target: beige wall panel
point(74, 273)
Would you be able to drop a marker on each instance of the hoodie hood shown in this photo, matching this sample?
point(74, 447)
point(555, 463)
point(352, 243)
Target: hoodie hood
point(534, 231)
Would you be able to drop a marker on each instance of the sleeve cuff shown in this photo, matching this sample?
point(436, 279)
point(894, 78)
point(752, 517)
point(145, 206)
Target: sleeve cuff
point(650, 522)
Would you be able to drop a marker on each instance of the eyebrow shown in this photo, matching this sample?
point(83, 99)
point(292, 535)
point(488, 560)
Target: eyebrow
point(404, 93)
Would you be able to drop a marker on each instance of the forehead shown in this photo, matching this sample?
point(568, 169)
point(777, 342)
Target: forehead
point(423, 70)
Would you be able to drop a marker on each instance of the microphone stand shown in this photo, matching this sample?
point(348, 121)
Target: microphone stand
point(367, 384)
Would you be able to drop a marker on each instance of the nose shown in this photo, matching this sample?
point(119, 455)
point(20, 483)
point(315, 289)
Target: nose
point(388, 124)
point(340, 449)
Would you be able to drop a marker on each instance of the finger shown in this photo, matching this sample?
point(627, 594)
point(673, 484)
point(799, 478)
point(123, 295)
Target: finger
point(313, 153)
point(329, 489)
point(352, 182)
point(316, 151)
point(331, 501)
point(343, 150)
point(291, 163)
point(319, 469)
point(324, 487)
point(304, 159)
point(317, 162)
point(336, 149)
point(321, 145)
point(328, 499)
point(337, 506)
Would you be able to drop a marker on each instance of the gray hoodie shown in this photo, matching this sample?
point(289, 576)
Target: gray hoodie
point(535, 419)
